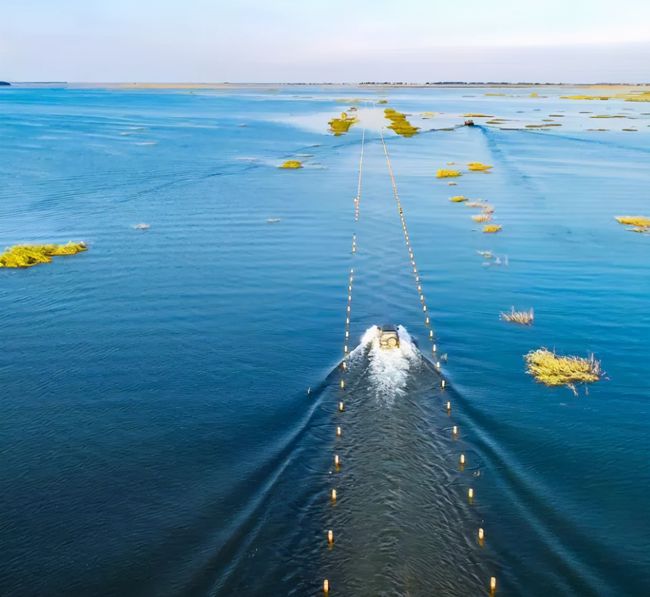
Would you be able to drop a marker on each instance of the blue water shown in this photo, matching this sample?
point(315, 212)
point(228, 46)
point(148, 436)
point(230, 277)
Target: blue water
point(156, 435)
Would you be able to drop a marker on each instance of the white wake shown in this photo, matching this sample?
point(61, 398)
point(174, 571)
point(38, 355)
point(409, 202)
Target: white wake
point(388, 369)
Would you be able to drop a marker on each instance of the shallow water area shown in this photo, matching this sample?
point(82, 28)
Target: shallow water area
point(158, 435)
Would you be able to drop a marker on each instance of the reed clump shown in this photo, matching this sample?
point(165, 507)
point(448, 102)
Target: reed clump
point(478, 167)
point(519, 317)
point(638, 223)
point(30, 255)
point(291, 165)
point(553, 370)
point(491, 228)
point(447, 173)
point(399, 124)
point(457, 199)
point(484, 217)
point(341, 125)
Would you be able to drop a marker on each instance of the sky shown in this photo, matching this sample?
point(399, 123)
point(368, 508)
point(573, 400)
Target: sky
point(577, 41)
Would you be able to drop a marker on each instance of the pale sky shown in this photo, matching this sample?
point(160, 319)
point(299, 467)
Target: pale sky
point(318, 40)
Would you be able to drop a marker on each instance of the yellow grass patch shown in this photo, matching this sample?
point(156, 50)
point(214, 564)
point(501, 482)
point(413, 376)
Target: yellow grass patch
point(399, 124)
point(640, 222)
point(520, 317)
point(292, 164)
point(445, 173)
point(478, 167)
point(553, 370)
point(491, 228)
point(342, 124)
point(482, 217)
point(29, 255)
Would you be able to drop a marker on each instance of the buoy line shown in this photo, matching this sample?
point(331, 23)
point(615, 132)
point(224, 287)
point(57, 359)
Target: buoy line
point(407, 239)
point(346, 344)
point(431, 335)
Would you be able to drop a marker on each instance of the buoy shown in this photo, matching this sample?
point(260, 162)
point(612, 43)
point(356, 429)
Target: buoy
point(337, 461)
point(344, 365)
point(493, 584)
point(481, 535)
point(345, 348)
point(443, 383)
point(470, 494)
point(426, 320)
point(338, 432)
point(347, 334)
point(308, 391)
point(462, 458)
point(342, 384)
point(333, 495)
point(431, 336)
point(341, 407)
point(437, 364)
point(448, 406)
point(435, 347)
point(454, 430)
point(326, 586)
point(330, 536)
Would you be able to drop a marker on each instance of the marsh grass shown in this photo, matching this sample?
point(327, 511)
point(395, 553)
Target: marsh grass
point(478, 167)
point(553, 370)
point(482, 217)
point(341, 125)
point(399, 124)
point(447, 173)
point(491, 228)
point(638, 223)
point(519, 317)
point(29, 255)
point(291, 165)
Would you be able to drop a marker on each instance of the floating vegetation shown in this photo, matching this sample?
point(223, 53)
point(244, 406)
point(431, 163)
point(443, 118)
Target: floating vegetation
point(630, 130)
point(382, 101)
point(341, 125)
point(444, 173)
point(542, 126)
point(291, 165)
point(399, 124)
point(471, 115)
point(553, 370)
point(452, 183)
point(427, 114)
point(586, 97)
point(457, 199)
point(608, 116)
point(638, 223)
point(491, 228)
point(29, 255)
point(142, 226)
point(484, 217)
point(273, 221)
point(495, 94)
point(534, 94)
point(486, 254)
point(520, 317)
point(478, 167)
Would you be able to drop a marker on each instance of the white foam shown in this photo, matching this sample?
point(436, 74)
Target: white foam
point(388, 369)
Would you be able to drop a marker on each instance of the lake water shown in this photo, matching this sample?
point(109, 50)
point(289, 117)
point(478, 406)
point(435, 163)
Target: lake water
point(157, 435)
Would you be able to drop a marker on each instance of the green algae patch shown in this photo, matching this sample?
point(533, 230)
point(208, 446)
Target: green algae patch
point(341, 125)
point(399, 124)
point(478, 167)
point(291, 165)
point(30, 255)
point(491, 229)
point(382, 101)
point(552, 370)
point(446, 173)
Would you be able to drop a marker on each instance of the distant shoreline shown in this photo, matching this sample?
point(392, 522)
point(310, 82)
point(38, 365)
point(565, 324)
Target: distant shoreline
point(365, 85)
